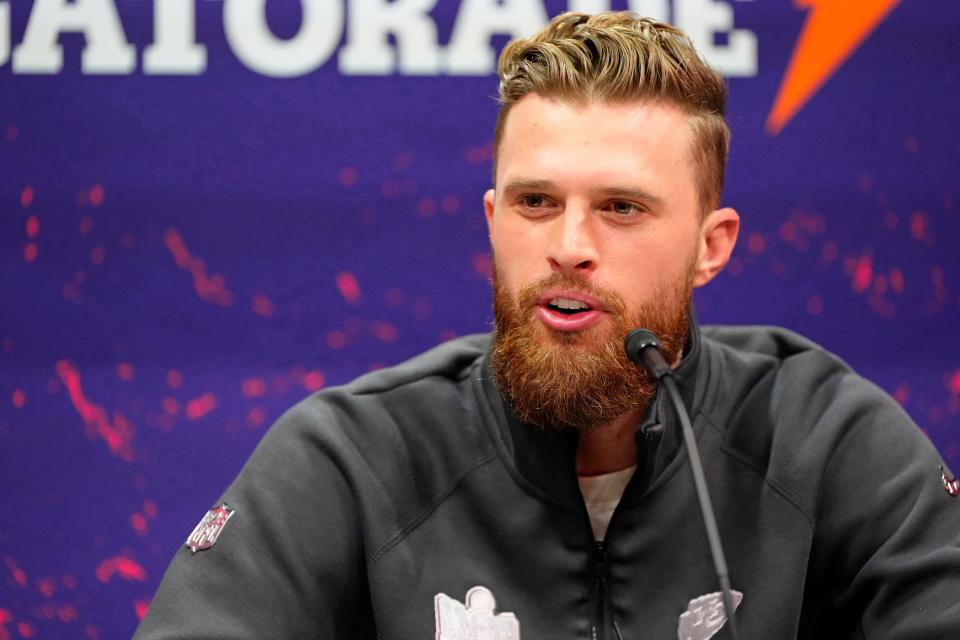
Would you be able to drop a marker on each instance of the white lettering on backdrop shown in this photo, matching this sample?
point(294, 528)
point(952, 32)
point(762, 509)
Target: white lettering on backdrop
point(367, 49)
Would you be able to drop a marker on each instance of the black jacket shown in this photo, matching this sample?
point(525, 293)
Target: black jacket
point(365, 502)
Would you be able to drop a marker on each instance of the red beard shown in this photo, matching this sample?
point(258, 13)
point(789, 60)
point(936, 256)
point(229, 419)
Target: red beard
point(581, 379)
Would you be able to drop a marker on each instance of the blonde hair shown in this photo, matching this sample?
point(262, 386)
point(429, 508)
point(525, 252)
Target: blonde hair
point(619, 57)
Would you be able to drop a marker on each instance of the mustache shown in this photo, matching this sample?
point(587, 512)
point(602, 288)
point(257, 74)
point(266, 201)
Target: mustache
point(529, 294)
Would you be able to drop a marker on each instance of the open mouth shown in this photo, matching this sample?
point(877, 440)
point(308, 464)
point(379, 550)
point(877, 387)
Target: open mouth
point(568, 306)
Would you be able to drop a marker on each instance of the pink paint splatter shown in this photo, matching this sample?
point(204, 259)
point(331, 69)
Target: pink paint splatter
point(254, 387)
point(170, 406)
point(18, 398)
point(19, 576)
point(422, 308)
point(140, 607)
point(348, 286)
point(862, 274)
point(32, 226)
point(336, 339)
point(211, 288)
point(96, 195)
point(71, 292)
point(919, 225)
point(139, 523)
point(902, 394)
point(116, 433)
point(199, 407)
point(348, 176)
point(125, 371)
point(47, 587)
point(402, 161)
point(256, 417)
point(262, 305)
point(953, 383)
point(26, 196)
point(313, 380)
point(483, 265)
point(756, 243)
point(125, 568)
point(829, 251)
point(426, 207)
point(384, 332)
point(450, 204)
point(174, 379)
point(30, 251)
point(896, 280)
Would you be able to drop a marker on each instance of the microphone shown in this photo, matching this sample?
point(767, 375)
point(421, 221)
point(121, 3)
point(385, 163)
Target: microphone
point(643, 348)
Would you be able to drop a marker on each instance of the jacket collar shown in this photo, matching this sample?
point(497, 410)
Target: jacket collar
point(544, 460)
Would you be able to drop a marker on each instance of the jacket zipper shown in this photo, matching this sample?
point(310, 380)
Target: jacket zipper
point(603, 605)
point(599, 567)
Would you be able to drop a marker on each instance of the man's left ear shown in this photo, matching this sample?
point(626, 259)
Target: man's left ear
point(718, 236)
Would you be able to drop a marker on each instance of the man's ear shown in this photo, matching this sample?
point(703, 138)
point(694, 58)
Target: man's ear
point(718, 237)
point(488, 200)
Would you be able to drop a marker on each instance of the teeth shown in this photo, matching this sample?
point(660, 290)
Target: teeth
point(567, 303)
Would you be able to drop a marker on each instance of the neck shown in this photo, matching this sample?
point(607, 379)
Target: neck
point(611, 447)
point(608, 448)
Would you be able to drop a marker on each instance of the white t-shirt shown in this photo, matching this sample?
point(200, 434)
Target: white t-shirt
point(602, 494)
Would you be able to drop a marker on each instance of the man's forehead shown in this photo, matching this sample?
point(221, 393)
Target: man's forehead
point(614, 140)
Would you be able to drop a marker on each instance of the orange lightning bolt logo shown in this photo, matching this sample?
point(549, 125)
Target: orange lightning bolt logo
point(833, 31)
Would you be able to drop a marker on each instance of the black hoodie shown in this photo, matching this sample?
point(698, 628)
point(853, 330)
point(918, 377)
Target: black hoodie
point(371, 510)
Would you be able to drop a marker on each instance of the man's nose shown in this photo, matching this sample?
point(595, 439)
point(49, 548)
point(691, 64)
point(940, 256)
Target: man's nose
point(573, 249)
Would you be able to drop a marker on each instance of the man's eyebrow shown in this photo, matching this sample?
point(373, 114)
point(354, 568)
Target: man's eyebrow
point(632, 193)
point(521, 184)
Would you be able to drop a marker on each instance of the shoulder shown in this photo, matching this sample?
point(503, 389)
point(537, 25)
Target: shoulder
point(391, 442)
point(425, 389)
point(795, 411)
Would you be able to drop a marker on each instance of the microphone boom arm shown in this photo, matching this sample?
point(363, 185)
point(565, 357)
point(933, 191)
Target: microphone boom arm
point(643, 348)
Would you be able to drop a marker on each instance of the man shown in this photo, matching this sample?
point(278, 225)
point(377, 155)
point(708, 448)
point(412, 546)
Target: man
point(535, 486)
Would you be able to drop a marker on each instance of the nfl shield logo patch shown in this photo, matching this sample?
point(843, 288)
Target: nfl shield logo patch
point(211, 526)
point(474, 619)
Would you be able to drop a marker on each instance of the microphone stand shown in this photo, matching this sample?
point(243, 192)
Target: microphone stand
point(643, 348)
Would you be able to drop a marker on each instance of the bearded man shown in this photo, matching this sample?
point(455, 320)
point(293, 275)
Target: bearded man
point(534, 485)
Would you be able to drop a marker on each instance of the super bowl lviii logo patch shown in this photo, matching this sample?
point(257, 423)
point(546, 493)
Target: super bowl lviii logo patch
point(209, 529)
point(474, 619)
point(705, 616)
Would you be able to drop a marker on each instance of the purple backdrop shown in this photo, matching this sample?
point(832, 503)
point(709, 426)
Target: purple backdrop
point(187, 253)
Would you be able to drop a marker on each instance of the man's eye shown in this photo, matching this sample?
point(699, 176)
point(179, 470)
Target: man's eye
point(624, 208)
point(532, 200)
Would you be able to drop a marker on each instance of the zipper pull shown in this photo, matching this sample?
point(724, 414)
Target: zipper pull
point(600, 564)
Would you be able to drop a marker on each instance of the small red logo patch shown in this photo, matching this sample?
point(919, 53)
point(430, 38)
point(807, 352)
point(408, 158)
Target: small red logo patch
point(951, 484)
point(211, 526)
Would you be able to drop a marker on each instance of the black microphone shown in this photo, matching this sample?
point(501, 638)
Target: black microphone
point(643, 348)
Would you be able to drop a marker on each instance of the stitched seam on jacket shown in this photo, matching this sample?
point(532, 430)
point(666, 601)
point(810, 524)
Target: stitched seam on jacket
point(783, 491)
point(421, 517)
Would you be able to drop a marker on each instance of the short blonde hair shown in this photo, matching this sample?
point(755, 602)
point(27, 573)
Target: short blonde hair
point(620, 57)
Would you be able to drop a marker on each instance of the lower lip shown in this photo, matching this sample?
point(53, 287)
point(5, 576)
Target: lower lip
point(572, 322)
